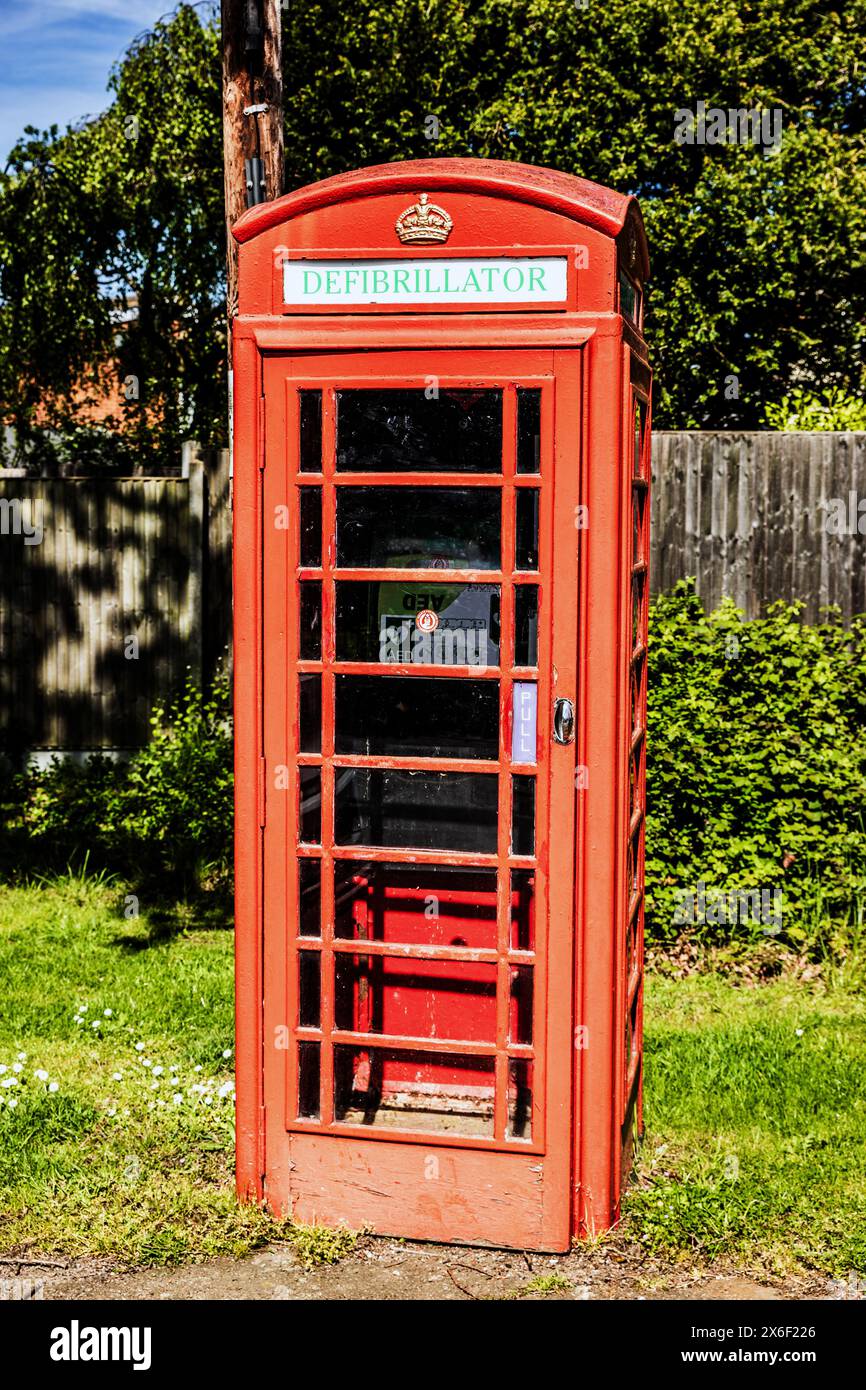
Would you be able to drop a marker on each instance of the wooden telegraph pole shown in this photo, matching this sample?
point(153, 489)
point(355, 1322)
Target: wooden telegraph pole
point(252, 116)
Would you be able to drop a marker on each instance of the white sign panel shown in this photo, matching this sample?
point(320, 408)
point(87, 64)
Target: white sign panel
point(456, 280)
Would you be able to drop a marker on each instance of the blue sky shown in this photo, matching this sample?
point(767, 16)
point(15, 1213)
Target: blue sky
point(57, 55)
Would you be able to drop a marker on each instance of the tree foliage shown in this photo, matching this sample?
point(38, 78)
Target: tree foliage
point(758, 255)
point(124, 210)
point(758, 259)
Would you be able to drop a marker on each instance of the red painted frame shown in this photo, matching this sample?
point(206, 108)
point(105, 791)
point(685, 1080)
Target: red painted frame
point(580, 1189)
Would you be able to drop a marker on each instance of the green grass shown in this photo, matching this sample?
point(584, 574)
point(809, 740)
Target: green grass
point(322, 1245)
point(755, 1148)
point(97, 1156)
point(543, 1285)
point(755, 1109)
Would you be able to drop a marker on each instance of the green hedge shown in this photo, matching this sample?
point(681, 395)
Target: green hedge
point(756, 744)
point(756, 780)
point(165, 815)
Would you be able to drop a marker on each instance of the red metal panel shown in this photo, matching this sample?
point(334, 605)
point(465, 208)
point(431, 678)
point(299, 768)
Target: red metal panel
point(600, 715)
point(247, 707)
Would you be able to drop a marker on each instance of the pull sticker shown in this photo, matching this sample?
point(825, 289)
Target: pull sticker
point(523, 733)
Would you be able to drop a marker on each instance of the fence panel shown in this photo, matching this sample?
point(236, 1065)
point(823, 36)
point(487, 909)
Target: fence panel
point(101, 604)
point(761, 516)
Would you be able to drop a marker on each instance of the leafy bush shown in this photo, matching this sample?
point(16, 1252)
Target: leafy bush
point(802, 410)
point(756, 753)
point(167, 811)
point(178, 791)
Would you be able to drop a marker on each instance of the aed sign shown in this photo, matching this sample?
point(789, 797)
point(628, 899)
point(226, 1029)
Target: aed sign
point(455, 280)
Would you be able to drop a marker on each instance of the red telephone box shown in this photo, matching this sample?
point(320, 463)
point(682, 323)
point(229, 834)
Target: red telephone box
point(441, 416)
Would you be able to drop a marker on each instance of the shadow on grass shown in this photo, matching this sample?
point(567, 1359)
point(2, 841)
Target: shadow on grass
point(162, 919)
point(158, 898)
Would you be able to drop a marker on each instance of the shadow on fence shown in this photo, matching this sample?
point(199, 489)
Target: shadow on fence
point(109, 589)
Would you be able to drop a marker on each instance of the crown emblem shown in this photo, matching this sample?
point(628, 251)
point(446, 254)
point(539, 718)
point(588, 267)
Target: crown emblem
point(423, 221)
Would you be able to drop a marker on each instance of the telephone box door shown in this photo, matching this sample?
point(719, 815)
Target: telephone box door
point(419, 628)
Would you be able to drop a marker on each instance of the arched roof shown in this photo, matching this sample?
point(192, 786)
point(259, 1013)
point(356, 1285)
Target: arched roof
point(590, 204)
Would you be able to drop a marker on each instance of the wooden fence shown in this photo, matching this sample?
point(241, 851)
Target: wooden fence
point(761, 516)
point(129, 582)
point(109, 589)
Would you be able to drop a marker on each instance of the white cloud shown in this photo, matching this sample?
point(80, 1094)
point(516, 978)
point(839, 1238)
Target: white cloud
point(35, 18)
point(58, 55)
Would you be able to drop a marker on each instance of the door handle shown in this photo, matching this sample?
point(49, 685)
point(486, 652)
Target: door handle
point(563, 721)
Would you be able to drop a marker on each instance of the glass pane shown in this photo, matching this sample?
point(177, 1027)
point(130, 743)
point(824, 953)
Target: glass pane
point(523, 815)
point(310, 406)
point(519, 1099)
point(525, 625)
point(638, 502)
point(636, 690)
point(418, 624)
point(418, 527)
point(438, 528)
point(309, 1071)
point(633, 1030)
point(311, 805)
point(454, 1000)
point(309, 897)
point(309, 989)
point(417, 716)
point(310, 713)
point(639, 423)
point(419, 810)
point(522, 909)
point(634, 782)
point(310, 507)
point(310, 643)
point(526, 525)
point(528, 429)
point(430, 904)
point(628, 298)
point(637, 598)
point(520, 1023)
point(413, 432)
point(440, 1093)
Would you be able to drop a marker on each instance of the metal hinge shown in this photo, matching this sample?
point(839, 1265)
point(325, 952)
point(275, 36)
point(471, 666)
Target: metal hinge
point(263, 792)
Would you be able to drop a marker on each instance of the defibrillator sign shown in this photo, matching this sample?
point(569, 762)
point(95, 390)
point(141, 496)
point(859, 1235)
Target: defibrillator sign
point(452, 280)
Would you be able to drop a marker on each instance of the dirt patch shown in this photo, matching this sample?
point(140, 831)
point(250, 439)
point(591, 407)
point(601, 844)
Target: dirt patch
point(382, 1269)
